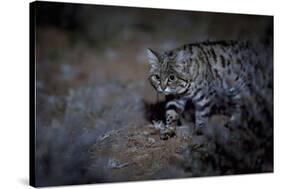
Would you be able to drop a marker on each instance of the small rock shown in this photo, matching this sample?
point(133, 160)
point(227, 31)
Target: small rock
point(158, 124)
point(115, 164)
point(145, 133)
point(151, 141)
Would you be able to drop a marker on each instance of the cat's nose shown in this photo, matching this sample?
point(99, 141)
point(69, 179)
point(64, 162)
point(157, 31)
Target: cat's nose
point(162, 86)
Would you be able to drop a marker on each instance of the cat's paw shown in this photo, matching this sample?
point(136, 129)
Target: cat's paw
point(167, 132)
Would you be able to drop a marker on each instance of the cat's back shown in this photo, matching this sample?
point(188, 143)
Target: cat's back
point(233, 61)
point(232, 64)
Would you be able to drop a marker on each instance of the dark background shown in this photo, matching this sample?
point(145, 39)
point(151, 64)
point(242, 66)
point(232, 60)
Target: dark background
point(91, 83)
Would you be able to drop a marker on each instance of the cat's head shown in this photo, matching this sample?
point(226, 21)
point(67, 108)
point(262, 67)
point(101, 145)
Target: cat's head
point(169, 72)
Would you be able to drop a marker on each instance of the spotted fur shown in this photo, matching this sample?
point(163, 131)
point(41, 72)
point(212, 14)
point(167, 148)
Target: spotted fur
point(210, 73)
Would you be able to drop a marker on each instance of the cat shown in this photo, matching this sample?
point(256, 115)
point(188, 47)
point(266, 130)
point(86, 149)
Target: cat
point(229, 73)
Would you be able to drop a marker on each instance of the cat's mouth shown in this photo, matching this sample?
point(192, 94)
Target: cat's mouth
point(167, 91)
point(183, 88)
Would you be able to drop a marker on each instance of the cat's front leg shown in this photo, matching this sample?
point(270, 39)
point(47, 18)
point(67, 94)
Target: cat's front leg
point(201, 117)
point(174, 109)
point(235, 109)
point(202, 113)
point(169, 130)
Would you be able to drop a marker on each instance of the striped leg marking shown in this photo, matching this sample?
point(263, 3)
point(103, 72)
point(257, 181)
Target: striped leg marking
point(173, 111)
point(201, 117)
point(172, 118)
point(202, 113)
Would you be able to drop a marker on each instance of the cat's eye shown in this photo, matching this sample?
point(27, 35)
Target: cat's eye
point(157, 77)
point(172, 78)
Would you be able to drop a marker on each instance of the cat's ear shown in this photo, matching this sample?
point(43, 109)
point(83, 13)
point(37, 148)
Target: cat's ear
point(180, 61)
point(153, 57)
point(181, 57)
